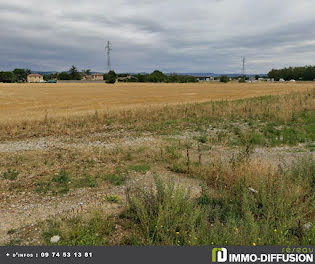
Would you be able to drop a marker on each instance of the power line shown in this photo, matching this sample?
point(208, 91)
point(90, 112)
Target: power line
point(108, 49)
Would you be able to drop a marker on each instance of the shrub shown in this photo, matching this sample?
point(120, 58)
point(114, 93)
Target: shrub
point(251, 206)
point(111, 77)
point(224, 79)
point(166, 215)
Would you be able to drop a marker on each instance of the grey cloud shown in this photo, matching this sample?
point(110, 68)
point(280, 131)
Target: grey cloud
point(175, 36)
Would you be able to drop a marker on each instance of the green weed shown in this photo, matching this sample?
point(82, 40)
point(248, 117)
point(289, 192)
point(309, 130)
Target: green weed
point(10, 174)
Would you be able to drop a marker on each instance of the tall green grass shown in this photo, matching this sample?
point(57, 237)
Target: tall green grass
point(274, 208)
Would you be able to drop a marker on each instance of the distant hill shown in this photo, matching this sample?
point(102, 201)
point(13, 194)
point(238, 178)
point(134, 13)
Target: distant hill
point(44, 73)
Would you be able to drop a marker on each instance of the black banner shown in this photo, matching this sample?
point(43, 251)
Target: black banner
point(151, 255)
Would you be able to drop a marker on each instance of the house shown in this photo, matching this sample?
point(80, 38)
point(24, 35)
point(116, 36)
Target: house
point(35, 78)
point(266, 80)
point(97, 77)
point(124, 78)
point(205, 78)
point(85, 77)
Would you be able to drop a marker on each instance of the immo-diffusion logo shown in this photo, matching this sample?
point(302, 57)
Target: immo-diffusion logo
point(219, 255)
point(299, 255)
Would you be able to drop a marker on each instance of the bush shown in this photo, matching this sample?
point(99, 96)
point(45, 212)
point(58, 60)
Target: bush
point(111, 77)
point(7, 77)
point(166, 216)
point(251, 207)
point(224, 79)
point(111, 80)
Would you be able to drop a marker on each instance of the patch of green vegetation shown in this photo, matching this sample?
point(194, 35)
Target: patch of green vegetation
point(269, 215)
point(115, 178)
point(178, 167)
point(128, 156)
point(62, 177)
point(76, 232)
point(11, 231)
point(86, 181)
point(311, 147)
point(142, 168)
point(10, 174)
point(43, 187)
point(58, 184)
point(202, 139)
point(112, 198)
point(173, 152)
point(299, 129)
point(165, 217)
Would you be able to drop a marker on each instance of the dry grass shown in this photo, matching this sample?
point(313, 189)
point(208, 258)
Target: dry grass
point(21, 102)
point(141, 140)
point(162, 118)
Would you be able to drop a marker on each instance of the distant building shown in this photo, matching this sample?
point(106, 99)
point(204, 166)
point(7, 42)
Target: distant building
point(205, 78)
point(124, 78)
point(85, 76)
point(97, 77)
point(265, 80)
point(35, 78)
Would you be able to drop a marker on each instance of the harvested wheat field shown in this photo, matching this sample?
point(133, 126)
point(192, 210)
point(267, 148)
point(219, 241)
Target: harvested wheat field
point(19, 102)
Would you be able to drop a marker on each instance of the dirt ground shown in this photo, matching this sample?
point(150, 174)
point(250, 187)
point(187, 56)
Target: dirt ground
point(24, 209)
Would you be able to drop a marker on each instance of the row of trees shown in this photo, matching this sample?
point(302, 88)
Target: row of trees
point(111, 76)
point(158, 76)
point(72, 74)
point(306, 73)
point(17, 75)
point(20, 75)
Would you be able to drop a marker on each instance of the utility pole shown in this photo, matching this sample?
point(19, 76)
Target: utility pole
point(108, 49)
point(243, 67)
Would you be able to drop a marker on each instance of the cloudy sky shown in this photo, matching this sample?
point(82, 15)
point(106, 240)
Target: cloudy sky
point(173, 35)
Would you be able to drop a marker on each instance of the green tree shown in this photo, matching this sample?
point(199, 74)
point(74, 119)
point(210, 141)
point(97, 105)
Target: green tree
point(7, 77)
point(88, 71)
point(157, 76)
point(306, 73)
point(111, 77)
point(21, 74)
point(141, 77)
point(224, 79)
point(64, 76)
point(74, 73)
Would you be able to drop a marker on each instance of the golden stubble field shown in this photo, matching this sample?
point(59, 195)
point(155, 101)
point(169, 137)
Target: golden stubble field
point(19, 102)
